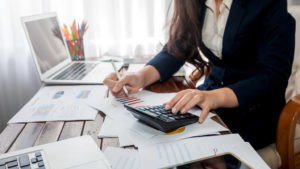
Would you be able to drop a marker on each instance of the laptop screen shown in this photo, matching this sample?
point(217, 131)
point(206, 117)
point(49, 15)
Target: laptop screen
point(47, 42)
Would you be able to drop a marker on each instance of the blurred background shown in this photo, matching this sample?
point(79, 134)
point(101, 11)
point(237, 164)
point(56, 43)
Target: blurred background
point(127, 29)
point(131, 28)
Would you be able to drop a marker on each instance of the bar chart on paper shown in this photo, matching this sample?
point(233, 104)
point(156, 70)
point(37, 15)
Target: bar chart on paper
point(130, 100)
point(83, 94)
point(61, 103)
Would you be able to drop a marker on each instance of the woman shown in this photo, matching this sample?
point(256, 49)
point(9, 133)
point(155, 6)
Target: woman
point(250, 47)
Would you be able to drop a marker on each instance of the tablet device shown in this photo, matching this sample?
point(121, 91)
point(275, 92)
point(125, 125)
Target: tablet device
point(222, 161)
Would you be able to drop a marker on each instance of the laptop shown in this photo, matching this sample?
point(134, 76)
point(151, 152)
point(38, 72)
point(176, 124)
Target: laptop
point(52, 57)
point(75, 153)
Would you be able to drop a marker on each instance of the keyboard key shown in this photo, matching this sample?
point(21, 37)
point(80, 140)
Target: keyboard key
point(33, 160)
point(11, 159)
point(41, 164)
point(37, 154)
point(39, 159)
point(15, 167)
point(12, 164)
point(24, 161)
point(2, 162)
point(3, 167)
point(27, 167)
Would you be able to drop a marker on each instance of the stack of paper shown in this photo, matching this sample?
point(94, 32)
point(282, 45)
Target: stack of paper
point(166, 155)
point(61, 103)
point(119, 122)
point(179, 152)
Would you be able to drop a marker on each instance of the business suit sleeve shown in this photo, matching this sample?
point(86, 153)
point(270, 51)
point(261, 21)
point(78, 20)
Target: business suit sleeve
point(166, 64)
point(275, 57)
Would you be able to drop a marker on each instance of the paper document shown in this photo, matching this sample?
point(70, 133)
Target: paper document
point(108, 128)
point(179, 152)
point(121, 158)
point(208, 127)
point(131, 131)
point(61, 103)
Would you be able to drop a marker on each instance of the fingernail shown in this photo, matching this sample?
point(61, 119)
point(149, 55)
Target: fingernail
point(183, 111)
point(167, 107)
point(174, 110)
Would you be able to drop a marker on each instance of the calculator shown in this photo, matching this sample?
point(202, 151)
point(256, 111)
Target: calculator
point(160, 118)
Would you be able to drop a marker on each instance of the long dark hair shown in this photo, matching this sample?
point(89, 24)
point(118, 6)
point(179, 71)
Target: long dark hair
point(186, 34)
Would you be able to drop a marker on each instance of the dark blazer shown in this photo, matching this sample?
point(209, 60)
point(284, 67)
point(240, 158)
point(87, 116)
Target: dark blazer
point(257, 56)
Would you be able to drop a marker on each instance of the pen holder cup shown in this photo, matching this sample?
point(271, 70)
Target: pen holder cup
point(76, 49)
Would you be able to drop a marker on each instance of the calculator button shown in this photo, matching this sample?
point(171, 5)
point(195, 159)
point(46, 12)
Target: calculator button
point(156, 112)
point(171, 118)
point(164, 118)
point(164, 115)
point(176, 117)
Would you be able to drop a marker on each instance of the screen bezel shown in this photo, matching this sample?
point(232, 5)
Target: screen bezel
point(206, 158)
point(51, 71)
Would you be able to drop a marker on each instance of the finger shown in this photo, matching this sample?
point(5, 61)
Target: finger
point(174, 100)
point(111, 76)
point(182, 102)
point(119, 85)
point(109, 83)
point(192, 103)
point(204, 114)
point(132, 90)
point(119, 94)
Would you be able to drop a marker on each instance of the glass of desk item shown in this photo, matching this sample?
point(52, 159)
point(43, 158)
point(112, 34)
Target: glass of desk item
point(76, 49)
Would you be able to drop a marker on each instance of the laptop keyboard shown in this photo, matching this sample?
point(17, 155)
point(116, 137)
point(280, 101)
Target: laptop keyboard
point(33, 160)
point(77, 71)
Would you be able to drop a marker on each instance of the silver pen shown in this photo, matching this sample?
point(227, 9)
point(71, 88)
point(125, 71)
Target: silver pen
point(119, 77)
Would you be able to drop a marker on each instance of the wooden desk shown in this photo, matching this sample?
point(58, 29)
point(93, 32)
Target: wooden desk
point(20, 136)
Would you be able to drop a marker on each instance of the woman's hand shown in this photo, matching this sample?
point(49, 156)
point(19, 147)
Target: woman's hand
point(133, 82)
point(206, 100)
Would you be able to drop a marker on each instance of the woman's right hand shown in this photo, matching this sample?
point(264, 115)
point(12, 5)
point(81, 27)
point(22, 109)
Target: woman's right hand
point(133, 82)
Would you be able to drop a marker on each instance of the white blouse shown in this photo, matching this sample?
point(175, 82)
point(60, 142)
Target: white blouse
point(213, 27)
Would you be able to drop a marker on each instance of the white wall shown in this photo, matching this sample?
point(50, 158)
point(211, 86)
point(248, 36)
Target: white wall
point(294, 2)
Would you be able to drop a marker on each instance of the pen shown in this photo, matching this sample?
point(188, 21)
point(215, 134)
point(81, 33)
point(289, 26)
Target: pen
point(119, 77)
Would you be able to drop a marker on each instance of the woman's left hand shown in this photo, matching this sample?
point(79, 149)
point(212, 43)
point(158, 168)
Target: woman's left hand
point(206, 100)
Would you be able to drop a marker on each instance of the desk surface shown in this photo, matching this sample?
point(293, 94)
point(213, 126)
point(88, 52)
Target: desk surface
point(20, 136)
